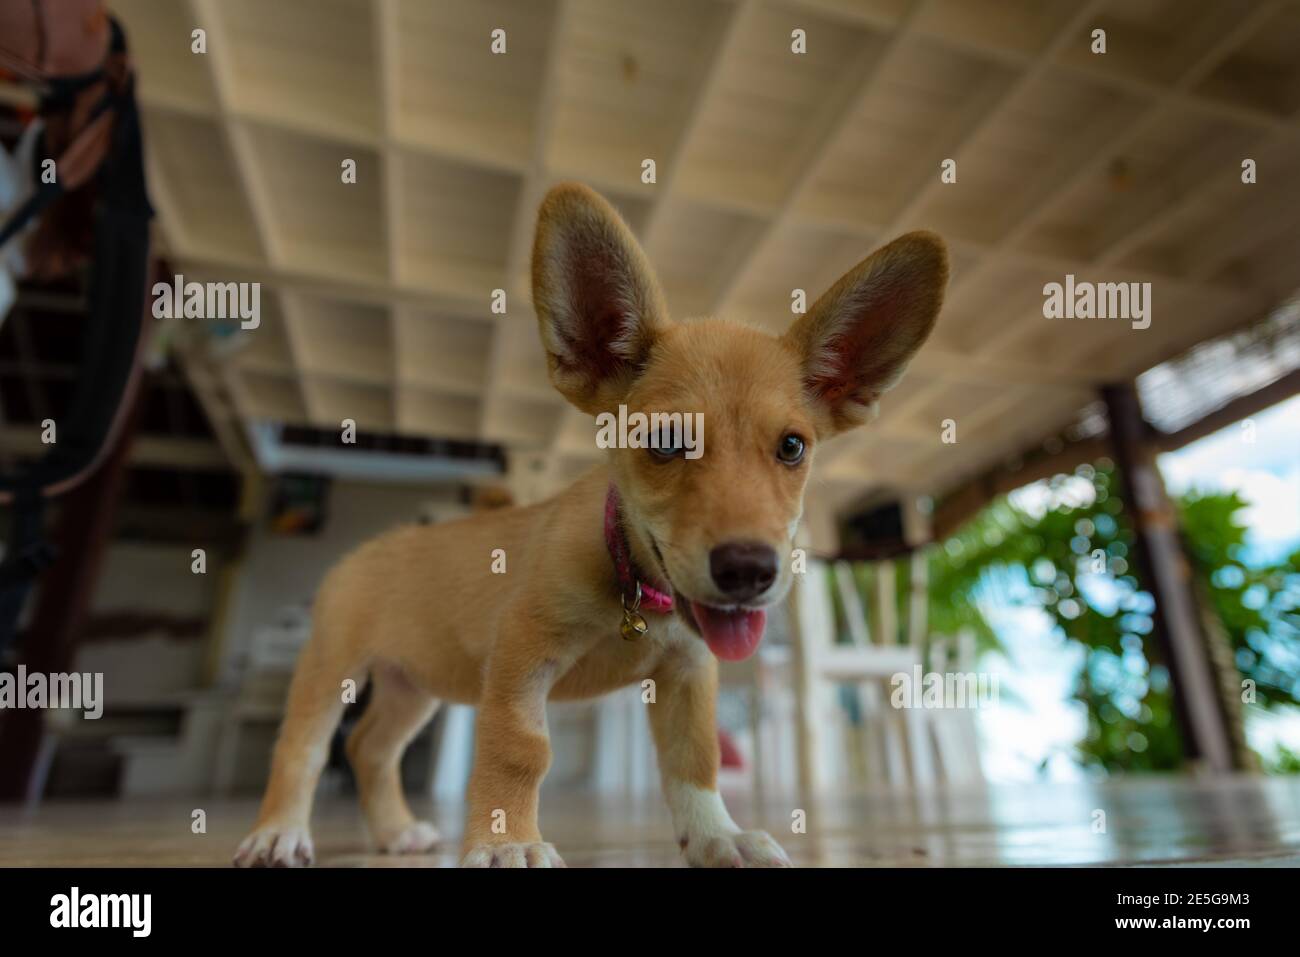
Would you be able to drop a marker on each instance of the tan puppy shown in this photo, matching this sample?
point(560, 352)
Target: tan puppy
point(420, 611)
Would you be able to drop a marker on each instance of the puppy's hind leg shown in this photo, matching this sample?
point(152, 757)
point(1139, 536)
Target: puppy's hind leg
point(281, 837)
point(397, 711)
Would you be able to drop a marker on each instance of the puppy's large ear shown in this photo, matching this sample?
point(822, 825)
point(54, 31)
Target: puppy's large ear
point(598, 303)
point(858, 337)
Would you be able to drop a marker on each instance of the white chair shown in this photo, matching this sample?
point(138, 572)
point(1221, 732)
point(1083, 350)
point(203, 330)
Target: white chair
point(622, 756)
point(897, 742)
point(452, 754)
point(956, 741)
point(766, 684)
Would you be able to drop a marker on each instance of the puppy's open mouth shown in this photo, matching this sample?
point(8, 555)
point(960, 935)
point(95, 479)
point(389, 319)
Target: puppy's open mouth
point(732, 634)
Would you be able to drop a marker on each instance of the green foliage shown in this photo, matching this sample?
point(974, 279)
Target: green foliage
point(1284, 761)
point(1259, 604)
point(1071, 559)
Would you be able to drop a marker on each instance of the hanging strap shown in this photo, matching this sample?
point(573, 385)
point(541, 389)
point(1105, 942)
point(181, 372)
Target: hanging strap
point(112, 343)
point(27, 555)
point(76, 164)
point(32, 207)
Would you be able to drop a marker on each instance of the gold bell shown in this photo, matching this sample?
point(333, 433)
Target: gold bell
point(634, 625)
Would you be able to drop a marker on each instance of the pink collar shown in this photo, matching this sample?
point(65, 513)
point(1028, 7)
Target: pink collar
point(652, 599)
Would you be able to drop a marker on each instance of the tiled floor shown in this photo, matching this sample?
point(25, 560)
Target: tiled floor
point(1251, 821)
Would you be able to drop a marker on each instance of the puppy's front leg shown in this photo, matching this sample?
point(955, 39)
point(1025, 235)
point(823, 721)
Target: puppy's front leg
point(511, 754)
point(683, 721)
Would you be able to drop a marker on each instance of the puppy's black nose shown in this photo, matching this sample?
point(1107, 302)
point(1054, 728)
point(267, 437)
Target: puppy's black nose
point(743, 570)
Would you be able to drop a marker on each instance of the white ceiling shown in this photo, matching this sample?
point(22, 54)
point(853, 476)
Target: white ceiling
point(775, 171)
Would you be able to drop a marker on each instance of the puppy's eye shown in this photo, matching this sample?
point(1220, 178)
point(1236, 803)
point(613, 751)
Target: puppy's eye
point(663, 447)
point(790, 450)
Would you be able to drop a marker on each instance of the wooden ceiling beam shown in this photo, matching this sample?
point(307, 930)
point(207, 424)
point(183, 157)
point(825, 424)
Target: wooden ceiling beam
point(721, 47)
point(1053, 190)
point(830, 124)
point(987, 112)
point(207, 14)
point(531, 189)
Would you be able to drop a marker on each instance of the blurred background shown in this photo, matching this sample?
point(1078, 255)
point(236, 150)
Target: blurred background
point(1105, 519)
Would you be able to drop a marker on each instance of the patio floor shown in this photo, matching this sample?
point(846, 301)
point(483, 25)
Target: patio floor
point(1150, 821)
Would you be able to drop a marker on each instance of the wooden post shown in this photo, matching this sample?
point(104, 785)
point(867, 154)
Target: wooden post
point(855, 615)
point(884, 621)
point(918, 531)
point(918, 625)
point(807, 622)
point(1164, 571)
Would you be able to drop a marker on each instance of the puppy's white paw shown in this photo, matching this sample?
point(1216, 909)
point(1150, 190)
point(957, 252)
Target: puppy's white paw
point(416, 838)
point(276, 846)
point(512, 855)
point(739, 849)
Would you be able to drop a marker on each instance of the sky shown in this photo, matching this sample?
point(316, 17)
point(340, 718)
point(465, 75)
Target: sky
point(1036, 724)
point(1266, 471)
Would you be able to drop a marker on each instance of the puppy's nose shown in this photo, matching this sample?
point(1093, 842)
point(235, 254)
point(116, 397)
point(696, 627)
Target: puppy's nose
point(743, 570)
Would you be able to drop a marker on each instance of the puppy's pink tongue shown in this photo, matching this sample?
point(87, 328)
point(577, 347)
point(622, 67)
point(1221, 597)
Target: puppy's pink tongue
point(731, 635)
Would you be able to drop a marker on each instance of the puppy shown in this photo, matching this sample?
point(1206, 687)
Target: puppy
point(650, 566)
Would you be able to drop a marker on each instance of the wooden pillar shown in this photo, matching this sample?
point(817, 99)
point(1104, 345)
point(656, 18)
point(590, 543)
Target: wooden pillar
point(811, 628)
point(49, 644)
point(884, 620)
point(1164, 571)
point(855, 614)
point(918, 532)
point(918, 607)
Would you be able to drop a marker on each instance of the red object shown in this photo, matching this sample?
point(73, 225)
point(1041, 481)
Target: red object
point(731, 756)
